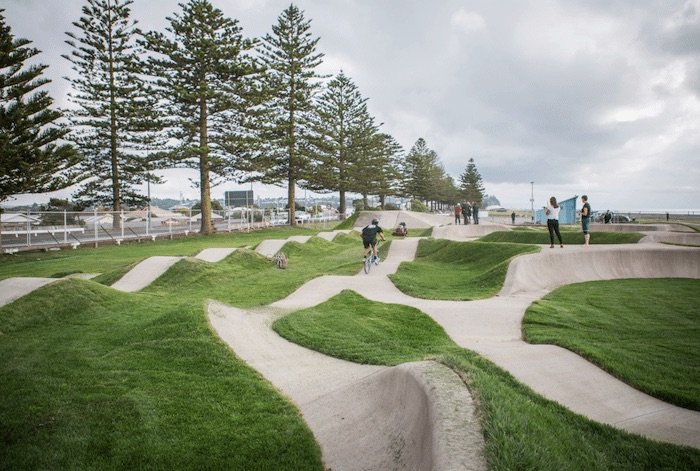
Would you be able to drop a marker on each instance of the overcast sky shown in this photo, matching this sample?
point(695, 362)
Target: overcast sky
point(597, 97)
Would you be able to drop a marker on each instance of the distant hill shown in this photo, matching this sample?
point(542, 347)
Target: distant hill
point(167, 203)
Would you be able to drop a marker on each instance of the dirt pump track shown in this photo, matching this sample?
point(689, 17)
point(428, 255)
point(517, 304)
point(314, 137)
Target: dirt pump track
point(420, 415)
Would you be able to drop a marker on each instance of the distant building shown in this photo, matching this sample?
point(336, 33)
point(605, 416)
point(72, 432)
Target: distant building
point(567, 212)
point(18, 220)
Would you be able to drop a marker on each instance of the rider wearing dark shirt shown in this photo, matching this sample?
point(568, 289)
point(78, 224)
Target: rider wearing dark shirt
point(369, 237)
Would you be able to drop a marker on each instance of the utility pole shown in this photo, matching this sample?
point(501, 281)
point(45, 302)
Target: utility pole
point(532, 200)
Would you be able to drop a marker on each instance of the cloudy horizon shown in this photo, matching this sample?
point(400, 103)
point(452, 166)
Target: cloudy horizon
point(579, 97)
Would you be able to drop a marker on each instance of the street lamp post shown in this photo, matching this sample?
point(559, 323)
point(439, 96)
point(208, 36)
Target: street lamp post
point(532, 200)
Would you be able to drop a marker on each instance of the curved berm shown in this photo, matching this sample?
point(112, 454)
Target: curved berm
point(556, 267)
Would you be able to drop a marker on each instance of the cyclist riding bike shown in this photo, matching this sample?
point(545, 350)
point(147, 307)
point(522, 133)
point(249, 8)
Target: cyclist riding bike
point(369, 238)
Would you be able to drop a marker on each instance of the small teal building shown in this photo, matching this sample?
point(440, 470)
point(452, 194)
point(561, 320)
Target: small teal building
point(567, 212)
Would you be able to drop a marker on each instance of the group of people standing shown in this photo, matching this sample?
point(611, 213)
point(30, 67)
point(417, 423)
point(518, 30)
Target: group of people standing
point(552, 212)
point(465, 211)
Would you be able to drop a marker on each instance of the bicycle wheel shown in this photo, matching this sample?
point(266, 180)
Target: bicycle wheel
point(368, 263)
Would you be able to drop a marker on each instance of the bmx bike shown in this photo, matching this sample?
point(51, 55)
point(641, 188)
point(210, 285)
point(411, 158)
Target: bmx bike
point(370, 260)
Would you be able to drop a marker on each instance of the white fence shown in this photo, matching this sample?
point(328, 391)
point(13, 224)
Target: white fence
point(49, 229)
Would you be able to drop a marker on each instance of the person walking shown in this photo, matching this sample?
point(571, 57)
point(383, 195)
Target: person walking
point(458, 213)
point(512, 218)
point(475, 212)
point(586, 219)
point(467, 211)
point(552, 212)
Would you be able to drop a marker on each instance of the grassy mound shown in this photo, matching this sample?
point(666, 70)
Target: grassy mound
point(569, 237)
point(92, 378)
point(645, 332)
point(522, 429)
point(457, 270)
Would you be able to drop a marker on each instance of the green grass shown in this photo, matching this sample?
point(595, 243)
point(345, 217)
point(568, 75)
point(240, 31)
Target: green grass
point(645, 332)
point(569, 237)
point(92, 378)
point(96, 379)
point(113, 261)
point(420, 232)
point(246, 279)
point(377, 335)
point(522, 429)
point(457, 270)
point(348, 223)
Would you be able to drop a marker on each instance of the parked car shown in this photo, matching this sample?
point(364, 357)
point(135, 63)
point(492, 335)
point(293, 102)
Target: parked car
point(615, 218)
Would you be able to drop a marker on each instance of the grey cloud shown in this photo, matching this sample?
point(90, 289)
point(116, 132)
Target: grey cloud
point(475, 93)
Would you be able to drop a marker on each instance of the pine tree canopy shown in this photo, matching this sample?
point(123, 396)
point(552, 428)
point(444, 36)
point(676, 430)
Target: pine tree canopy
point(114, 124)
point(471, 183)
point(420, 168)
point(290, 59)
point(33, 158)
point(203, 76)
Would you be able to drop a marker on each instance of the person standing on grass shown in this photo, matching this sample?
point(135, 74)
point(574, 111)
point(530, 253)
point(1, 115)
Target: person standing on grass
point(512, 217)
point(585, 219)
point(458, 213)
point(552, 212)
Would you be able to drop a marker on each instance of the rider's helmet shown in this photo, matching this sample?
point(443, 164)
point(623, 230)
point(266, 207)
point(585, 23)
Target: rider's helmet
point(375, 221)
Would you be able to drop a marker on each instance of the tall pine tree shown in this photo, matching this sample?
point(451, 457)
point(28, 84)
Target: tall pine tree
point(202, 75)
point(113, 122)
point(33, 156)
point(335, 139)
point(370, 151)
point(388, 173)
point(290, 57)
point(471, 183)
point(419, 169)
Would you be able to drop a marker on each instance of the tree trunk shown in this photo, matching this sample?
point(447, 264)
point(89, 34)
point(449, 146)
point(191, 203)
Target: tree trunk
point(342, 206)
point(113, 149)
point(1, 210)
point(292, 182)
point(205, 195)
point(291, 191)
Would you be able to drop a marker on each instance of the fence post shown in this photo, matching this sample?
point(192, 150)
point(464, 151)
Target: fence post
point(95, 223)
point(65, 226)
point(29, 229)
point(121, 216)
